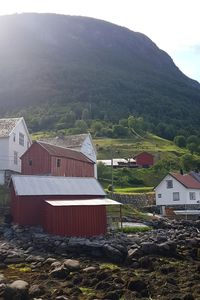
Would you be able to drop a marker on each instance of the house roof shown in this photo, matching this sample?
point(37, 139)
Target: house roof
point(187, 180)
point(31, 185)
point(195, 175)
point(85, 202)
point(64, 152)
point(7, 126)
point(70, 141)
point(141, 153)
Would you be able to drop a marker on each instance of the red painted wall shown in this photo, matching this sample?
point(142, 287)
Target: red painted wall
point(41, 161)
point(29, 210)
point(144, 159)
point(71, 167)
point(45, 164)
point(75, 221)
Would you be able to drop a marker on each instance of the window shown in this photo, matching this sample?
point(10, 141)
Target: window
point(176, 196)
point(58, 162)
point(15, 157)
point(21, 139)
point(169, 184)
point(14, 137)
point(30, 162)
point(192, 196)
point(159, 195)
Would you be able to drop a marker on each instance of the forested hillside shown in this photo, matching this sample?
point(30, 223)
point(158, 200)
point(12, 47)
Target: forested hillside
point(59, 70)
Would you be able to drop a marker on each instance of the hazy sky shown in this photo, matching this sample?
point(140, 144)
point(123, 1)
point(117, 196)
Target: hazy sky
point(174, 25)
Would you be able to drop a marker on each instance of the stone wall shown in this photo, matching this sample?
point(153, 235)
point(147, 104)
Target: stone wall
point(138, 200)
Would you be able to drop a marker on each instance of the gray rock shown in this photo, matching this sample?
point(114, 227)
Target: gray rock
point(17, 290)
point(2, 278)
point(90, 269)
point(60, 272)
point(71, 264)
point(19, 285)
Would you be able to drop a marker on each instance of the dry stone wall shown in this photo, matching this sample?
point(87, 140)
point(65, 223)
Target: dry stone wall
point(138, 200)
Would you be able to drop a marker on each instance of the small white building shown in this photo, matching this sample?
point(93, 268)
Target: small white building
point(79, 142)
point(14, 141)
point(177, 190)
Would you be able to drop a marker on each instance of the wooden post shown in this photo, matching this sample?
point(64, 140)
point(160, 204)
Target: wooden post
point(121, 216)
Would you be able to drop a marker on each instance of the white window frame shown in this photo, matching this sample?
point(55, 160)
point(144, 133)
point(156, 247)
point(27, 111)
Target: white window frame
point(169, 184)
point(15, 158)
point(192, 195)
point(176, 196)
point(21, 139)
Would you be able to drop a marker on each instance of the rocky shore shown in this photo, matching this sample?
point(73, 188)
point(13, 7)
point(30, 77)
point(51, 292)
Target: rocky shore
point(159, 264)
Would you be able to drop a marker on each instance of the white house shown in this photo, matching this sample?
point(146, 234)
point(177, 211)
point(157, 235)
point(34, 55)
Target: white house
point(79, 142)
point(178, 190)
point(14, 141)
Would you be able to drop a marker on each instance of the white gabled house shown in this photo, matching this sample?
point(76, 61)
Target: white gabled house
point(14, 141)
point(177, 190)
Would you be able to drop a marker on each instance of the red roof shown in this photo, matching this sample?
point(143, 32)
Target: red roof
point(64, 152)
point(144, 152)
point(187, 180)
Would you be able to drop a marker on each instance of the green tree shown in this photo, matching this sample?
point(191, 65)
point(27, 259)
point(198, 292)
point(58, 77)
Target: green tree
point(193, 139)
point(188, 162)
point(81, 125)
point(180, 141)
point(85, 114)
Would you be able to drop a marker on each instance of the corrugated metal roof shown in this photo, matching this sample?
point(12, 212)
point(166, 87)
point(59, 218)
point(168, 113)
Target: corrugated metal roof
point(29, 185)
point(88, 202)
point(7, 126)
point(64, 152)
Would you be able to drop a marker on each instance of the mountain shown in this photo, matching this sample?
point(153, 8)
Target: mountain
point(51, 65)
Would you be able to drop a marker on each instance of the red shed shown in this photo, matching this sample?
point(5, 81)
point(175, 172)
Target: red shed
point(69, 206)
point(144, 160)
point(46, 159)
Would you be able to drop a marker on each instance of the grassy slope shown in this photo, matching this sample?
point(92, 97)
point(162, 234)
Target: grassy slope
point(119, 148)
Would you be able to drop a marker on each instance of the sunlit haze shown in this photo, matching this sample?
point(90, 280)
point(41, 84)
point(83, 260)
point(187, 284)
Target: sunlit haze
point(172, 24)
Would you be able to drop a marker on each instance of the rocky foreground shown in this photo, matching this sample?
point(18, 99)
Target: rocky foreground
point(159, 264)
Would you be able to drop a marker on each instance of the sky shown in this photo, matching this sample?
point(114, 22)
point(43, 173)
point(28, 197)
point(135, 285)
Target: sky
point(173, 25)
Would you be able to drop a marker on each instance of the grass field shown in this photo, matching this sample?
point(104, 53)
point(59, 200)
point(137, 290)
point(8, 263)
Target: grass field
point(134, 190)
point(116, 148)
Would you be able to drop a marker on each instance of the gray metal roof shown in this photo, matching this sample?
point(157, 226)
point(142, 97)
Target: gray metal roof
point(29, 185)
point(88, 202)
point(7, 126)
point(70, 141)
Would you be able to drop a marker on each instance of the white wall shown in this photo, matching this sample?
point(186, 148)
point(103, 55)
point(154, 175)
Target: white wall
point(15, 146)
point(88, 149)
point(4, 154)
point(167, 193)
point(2, 177)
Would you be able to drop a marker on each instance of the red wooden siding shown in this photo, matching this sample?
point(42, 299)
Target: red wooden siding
point(144, 159)
point(41, 161)
point(75, 221)
point(71, 167)
point(44, 163)
point(28, 210)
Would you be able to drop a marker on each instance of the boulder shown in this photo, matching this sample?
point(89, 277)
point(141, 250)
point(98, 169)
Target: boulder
point(60, 272)
point(71, 264)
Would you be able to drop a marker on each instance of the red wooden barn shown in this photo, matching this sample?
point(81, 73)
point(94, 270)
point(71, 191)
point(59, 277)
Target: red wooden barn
point(46, 159)
point(71, 206)
point(144, 160)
